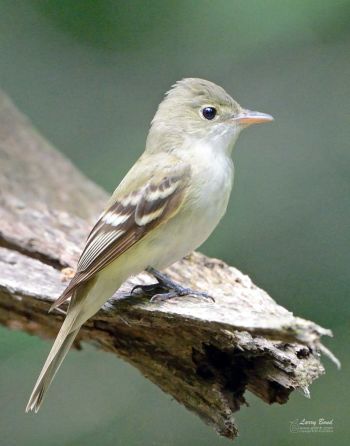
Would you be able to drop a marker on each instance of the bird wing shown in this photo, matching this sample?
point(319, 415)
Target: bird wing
point(132, 213)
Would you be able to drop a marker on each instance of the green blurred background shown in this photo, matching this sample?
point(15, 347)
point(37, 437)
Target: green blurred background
point(90, 74)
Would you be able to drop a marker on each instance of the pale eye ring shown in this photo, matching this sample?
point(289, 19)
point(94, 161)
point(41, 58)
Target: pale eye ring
point(209, 113)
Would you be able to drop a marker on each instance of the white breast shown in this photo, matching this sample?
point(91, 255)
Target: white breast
point(206, 203)
point(213, 178)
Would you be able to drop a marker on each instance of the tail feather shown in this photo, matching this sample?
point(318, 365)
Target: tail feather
point(85, 301)
point(56, 356)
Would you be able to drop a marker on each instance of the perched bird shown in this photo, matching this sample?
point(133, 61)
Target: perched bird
point(166, 206)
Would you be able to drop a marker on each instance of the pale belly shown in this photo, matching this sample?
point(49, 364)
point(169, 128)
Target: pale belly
point(192, 226)
point(183, 235)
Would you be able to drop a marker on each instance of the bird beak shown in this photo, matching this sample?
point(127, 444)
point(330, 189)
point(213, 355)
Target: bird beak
point(248, 117)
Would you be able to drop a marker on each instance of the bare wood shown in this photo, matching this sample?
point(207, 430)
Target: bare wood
point(205, 355)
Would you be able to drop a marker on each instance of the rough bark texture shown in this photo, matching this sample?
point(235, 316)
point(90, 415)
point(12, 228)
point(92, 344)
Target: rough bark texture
point(206, 355)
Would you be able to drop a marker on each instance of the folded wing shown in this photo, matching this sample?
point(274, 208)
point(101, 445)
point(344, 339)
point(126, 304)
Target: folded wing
point(130, 217)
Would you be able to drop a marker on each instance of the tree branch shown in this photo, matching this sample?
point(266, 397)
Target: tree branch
point(206, 355)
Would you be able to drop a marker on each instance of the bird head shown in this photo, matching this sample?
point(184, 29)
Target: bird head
point(198, 109)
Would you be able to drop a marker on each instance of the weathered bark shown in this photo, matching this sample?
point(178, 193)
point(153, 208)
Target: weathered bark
point(206, 355)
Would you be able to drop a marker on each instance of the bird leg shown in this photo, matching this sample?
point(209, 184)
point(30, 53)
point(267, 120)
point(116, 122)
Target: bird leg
point(165, 288)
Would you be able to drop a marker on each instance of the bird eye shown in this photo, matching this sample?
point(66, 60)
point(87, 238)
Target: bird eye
point(209, 113)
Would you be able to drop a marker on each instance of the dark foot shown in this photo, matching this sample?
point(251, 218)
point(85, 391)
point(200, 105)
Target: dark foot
point(166, 288)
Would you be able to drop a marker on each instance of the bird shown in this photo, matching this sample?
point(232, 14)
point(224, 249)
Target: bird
point(166, 206)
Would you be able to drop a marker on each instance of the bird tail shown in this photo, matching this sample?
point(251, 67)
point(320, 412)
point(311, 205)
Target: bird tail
point(85, 302)
point(57, 354)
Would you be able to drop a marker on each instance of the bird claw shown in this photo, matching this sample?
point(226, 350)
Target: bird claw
point(166, 289)
point(179, 293)
point(149, 290)
point(162, 297)
point(201, 294)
